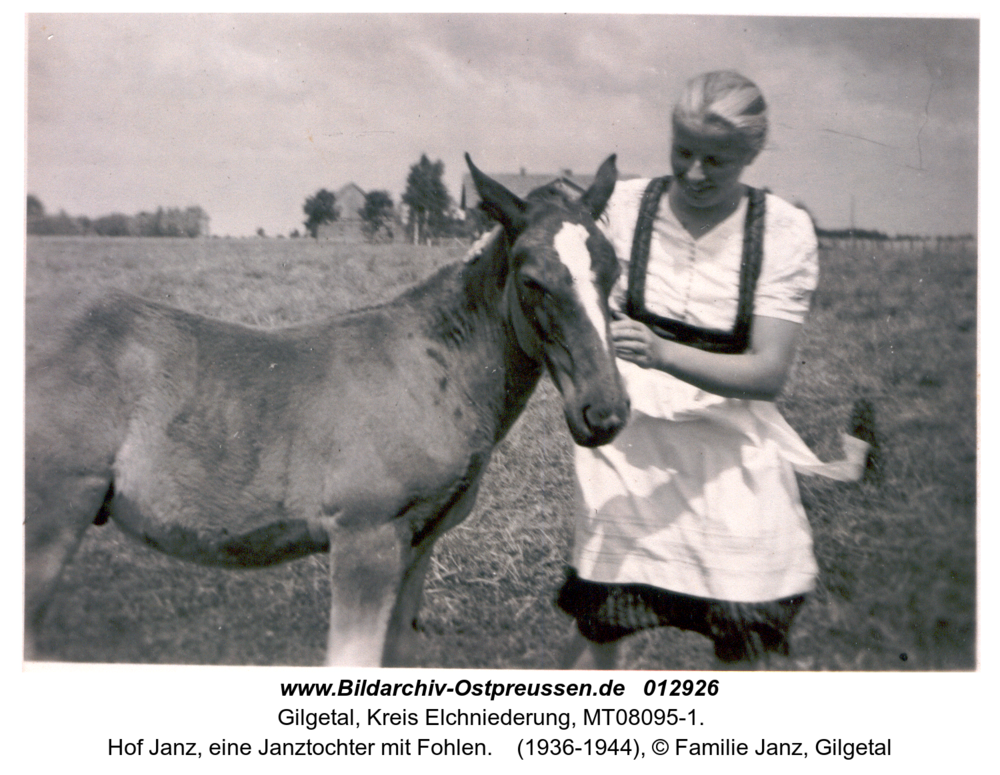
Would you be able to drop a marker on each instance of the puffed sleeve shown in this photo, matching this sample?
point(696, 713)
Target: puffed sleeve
point(790, 271)
point(618, 224)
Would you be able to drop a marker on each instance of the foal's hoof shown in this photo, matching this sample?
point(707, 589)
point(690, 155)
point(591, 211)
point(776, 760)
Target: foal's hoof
point(862, 426)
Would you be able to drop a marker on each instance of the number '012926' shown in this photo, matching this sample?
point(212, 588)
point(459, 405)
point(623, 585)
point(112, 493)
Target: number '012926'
point(678, 688)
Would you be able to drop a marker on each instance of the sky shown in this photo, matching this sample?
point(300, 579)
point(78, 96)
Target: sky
point(873, 121)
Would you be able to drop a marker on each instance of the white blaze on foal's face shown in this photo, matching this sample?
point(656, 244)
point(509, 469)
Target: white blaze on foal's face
point(571, 247)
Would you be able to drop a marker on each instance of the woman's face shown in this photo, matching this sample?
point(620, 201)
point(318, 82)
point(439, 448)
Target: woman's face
point(708, 167)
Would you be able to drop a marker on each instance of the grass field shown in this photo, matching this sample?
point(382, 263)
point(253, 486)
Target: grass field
point(898, 560)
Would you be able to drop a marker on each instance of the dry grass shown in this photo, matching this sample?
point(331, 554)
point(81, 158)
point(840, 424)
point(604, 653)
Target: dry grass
point(897, 560)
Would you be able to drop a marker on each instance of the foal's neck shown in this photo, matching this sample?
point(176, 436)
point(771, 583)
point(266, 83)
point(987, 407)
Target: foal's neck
point(515, 373)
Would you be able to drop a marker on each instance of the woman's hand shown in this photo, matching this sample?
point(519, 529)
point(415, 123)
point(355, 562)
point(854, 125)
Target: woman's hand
point(759, 373)
point(635, 342)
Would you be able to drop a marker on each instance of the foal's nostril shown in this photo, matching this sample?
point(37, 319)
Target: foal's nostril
point(603, 420)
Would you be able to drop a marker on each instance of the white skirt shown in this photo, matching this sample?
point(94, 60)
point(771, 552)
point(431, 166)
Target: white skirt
point(698, 495)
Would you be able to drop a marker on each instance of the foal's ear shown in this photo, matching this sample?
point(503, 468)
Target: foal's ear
point(499, 203)
point(596, 197)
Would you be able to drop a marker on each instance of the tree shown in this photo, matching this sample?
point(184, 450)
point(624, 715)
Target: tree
point(113, 225)
point(195, 222)
point(165, 222)
point(476, 223)
point(35, 207)
point(427, 198)
point(320, 208)
point(376, 216)
point(171, 222)
point(36, 215)
point(61, 224)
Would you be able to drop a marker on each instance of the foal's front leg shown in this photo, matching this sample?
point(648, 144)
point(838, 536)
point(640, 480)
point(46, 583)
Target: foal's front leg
point(400, 648)
point(401, 637)
point(365, 572)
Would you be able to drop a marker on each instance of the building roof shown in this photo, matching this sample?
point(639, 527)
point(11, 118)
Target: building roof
point(350, 199)
point(523, 183)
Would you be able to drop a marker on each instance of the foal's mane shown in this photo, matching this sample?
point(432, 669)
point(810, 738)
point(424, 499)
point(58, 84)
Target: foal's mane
point(463, 293)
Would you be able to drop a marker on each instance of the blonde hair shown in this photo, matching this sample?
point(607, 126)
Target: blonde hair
point(723, 102)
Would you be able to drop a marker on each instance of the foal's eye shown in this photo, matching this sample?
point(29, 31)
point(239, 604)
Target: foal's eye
point(534, 295)
point(533, 291)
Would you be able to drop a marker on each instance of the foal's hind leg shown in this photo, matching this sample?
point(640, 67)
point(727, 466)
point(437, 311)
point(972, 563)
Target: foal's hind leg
point(69, 449)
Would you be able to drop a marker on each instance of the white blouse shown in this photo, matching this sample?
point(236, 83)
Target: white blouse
point(696, 281)
point(698, 494)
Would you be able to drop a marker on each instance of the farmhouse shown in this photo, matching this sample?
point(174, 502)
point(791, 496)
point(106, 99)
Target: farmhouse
point(347, 227)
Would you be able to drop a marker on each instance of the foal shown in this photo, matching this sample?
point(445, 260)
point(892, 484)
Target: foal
point(364, 435)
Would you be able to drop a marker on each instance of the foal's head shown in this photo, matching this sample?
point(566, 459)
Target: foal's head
point(560, 272)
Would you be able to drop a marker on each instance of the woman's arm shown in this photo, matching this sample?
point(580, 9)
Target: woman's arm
point(759, 373)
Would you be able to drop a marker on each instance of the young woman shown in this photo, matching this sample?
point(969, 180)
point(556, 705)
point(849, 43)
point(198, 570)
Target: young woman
point(691, 518)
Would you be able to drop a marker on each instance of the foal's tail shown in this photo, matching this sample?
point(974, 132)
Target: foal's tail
point(863, 426)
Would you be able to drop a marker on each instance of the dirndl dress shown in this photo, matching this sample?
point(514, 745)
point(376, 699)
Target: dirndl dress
point(691, 516)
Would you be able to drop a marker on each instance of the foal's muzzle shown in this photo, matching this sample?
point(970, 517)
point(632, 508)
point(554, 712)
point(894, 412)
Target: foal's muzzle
point(603, 423)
